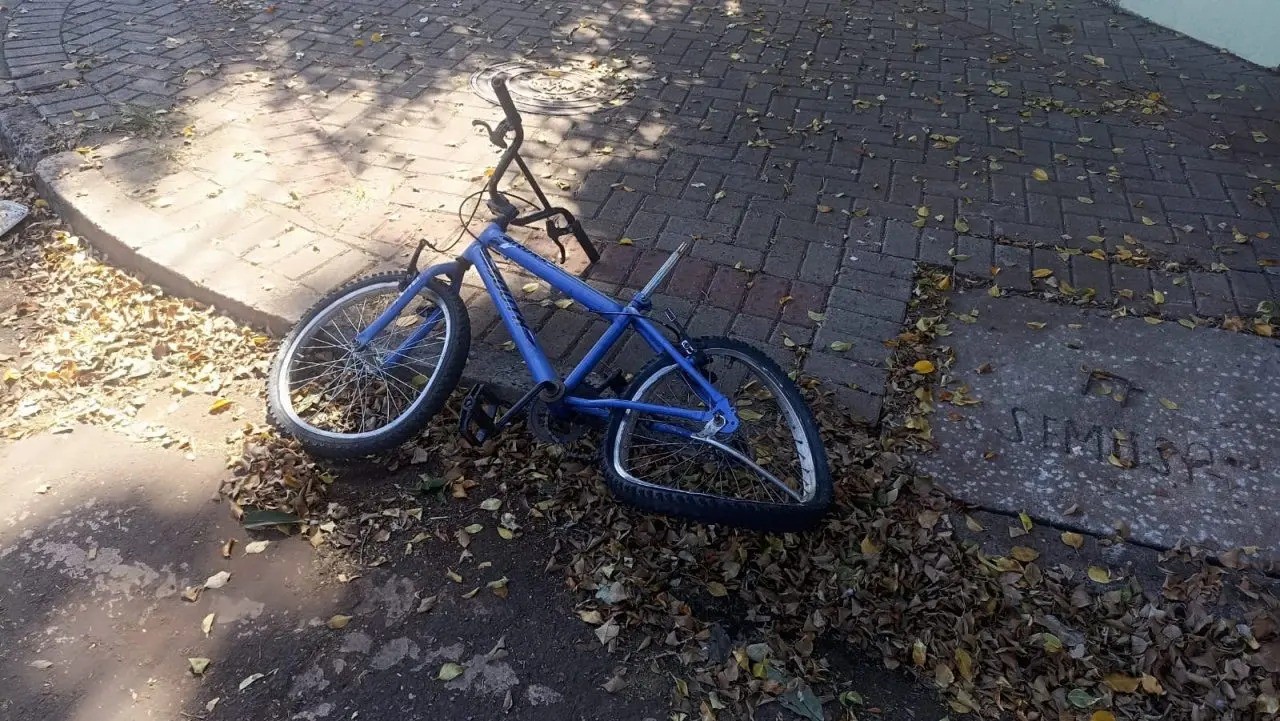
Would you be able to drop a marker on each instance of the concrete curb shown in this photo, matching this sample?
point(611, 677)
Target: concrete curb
point(139, 240)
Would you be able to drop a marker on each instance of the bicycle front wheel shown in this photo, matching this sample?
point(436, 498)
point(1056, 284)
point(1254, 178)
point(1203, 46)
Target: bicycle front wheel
point(341, 400)
point(771, 474)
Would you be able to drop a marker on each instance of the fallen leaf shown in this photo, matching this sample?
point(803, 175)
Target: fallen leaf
point(1085, 200)
point(198, 665)
point(564, 303)
point(1024, 554)
point(1102, 716)
point(607, 631)
point(868, 547)
point(1168, 404)
point(41, 664)
point(219, 405)
point(717, 589)
point(1099, 574)
point(1121, 682)
point(918, 654)
point(206, 625)
point(338, 621)
point(1025, 520)
point(923, 367)
point(257, 518)
point(817, 317)
point(624, 240)
point(218, 580)
point(840, 346)
point(449, 671)
point(256, 546)
point(1041, 272)
point(491, 504)
point(1040, 174)
point(824, 208)
point(250, 680)
point(530, 287)
point(1075, 540)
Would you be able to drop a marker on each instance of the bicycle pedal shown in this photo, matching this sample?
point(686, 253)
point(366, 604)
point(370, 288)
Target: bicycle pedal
point(476, 421)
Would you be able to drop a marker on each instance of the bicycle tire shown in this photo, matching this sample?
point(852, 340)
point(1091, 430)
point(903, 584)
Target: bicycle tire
point(710, 508)
point(431, 399)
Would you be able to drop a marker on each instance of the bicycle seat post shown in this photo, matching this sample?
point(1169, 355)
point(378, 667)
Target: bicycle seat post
point(669, 265)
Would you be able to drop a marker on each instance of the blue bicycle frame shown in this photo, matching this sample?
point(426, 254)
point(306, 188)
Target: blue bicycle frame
point(622, 318)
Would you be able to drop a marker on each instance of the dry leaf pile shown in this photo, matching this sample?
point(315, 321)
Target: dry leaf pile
point(92, 344)
point(740, 620)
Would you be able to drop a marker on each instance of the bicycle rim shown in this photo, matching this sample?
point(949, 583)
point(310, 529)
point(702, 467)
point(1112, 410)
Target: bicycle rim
point(768, 459)
point(339, 392)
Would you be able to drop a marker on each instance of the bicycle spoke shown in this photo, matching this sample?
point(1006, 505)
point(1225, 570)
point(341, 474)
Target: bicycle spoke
point(759, 461)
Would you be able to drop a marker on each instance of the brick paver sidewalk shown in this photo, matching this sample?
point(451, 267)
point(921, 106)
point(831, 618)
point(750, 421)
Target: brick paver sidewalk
point(813, 152)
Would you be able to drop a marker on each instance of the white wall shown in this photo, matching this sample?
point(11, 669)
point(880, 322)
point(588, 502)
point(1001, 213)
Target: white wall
point(1248, 28)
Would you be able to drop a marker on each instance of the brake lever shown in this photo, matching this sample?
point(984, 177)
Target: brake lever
point(497, 136)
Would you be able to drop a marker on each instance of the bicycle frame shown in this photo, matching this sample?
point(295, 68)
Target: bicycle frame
point(622, 318)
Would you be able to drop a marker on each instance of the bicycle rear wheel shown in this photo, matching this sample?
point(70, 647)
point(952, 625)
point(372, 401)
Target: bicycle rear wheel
point(770, 474)
point(341, 401)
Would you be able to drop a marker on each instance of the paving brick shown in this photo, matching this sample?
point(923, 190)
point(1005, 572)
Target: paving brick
point(375, 113)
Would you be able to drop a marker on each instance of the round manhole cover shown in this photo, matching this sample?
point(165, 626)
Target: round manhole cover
point(550, 91)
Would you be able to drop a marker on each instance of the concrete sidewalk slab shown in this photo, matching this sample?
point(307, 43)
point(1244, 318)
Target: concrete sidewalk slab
point(1090, 422)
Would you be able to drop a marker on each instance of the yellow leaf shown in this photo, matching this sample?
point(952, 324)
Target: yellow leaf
point(868, 547)
point(1151, 684)
point(1120, 682)
point(626, 241)
point(717, 589)
point(1041, 272)
point(1025, 520)
point(376, 37)
point(449, 671)
point(994, 291)
point(338, 621)
point(1102, 716)
point(824, 208)
point(816, 317)
point(207, 625)
point(529, 287)
point(1040, 174)
point(1075, 540)
point(1147, 221)
point(564, 303)
point(1085, 200)
point(359, 42)
point(961, 225)
point(918, 652)
point(1168, 404)
point(840, 346)
point(923, 367)
point(198, 665)
point(973, 525)
point(1036, 325)
point(964, 662)
point(1024, 554)
point(923, 211)
point(1099, 574)
point(1157, 296)
point(219, 405)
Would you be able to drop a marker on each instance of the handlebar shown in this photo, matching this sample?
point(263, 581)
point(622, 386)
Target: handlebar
point(498, 203)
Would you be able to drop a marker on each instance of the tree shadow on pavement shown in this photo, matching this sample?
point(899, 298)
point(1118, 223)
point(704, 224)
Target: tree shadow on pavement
point(102, 549)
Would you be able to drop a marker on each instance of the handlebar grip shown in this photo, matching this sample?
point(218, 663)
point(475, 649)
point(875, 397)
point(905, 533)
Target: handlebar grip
point(499, 84)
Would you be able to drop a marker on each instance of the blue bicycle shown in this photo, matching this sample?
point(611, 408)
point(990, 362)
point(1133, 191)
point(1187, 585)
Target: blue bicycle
point(710, 429)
